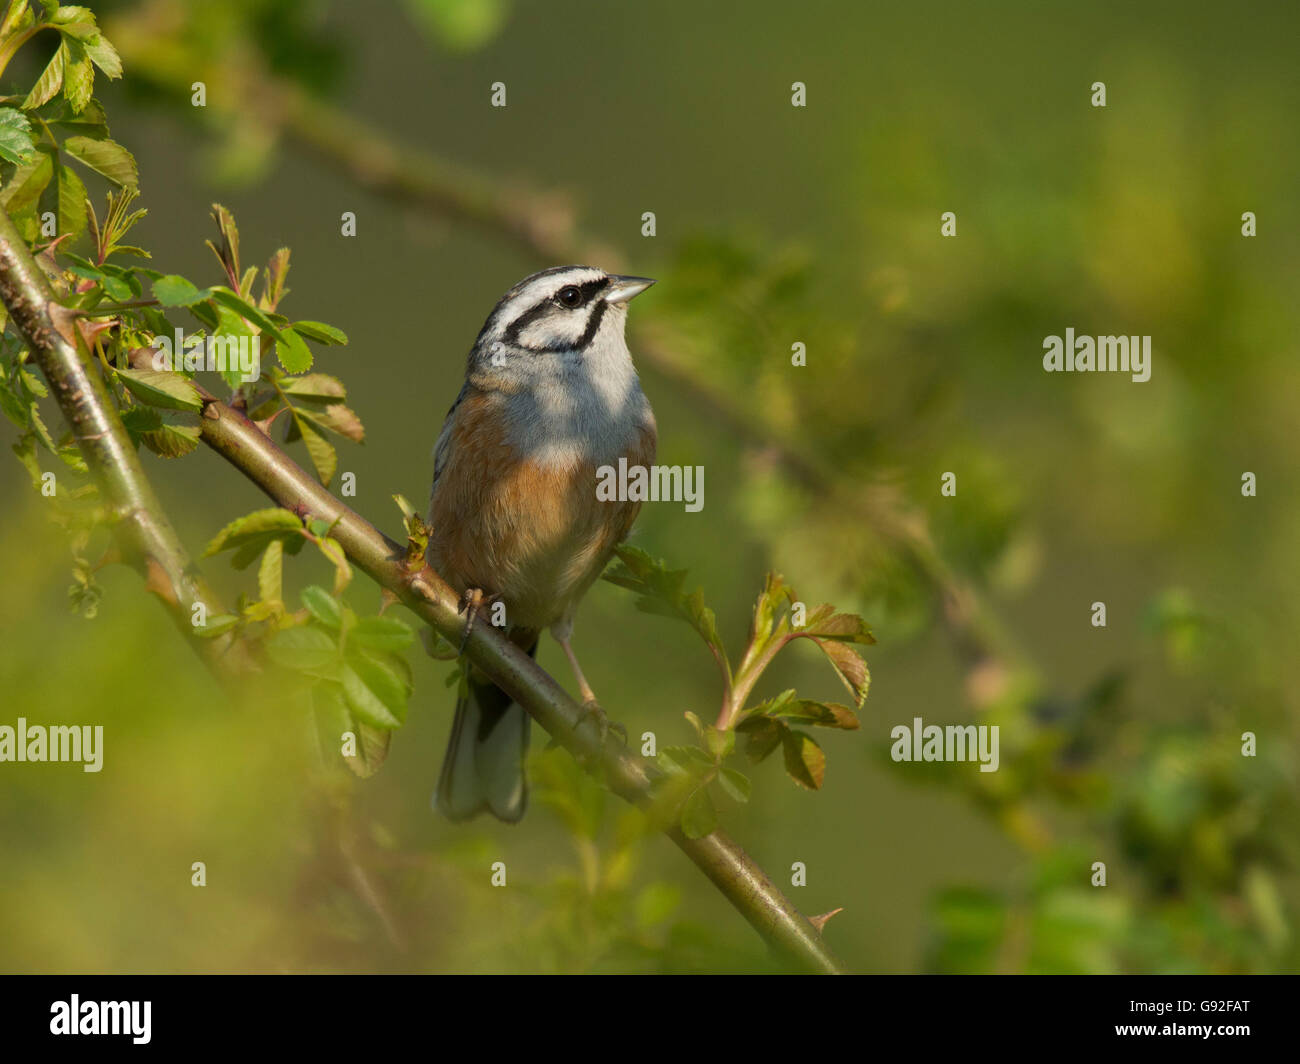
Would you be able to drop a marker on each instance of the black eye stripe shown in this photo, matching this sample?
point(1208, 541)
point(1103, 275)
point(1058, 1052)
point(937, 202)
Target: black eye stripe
point(542, 308)
point(590, 288)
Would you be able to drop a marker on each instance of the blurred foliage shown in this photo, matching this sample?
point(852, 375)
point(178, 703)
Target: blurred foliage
point(1121, 745)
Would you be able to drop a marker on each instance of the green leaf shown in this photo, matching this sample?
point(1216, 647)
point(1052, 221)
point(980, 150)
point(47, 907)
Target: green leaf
point(825, 623)
point(118, 289)
point(245, 309)
point(323, 606)
point(850, 667)
point(660, 592)
point(698, 815)
point(78, 74)
point(318, 386)
point(270, 573)
point(70, 199)
point(302, 649)
point(371, 705)
point(804, 761)
point(759, 736)
point(173, 290)
point(231, 326)
point(336, 418)
point(736, 784)
point(103, 54)
point(49, 83)
point(159, 388)
point(382, 633)
point(319, 449)
point(372, 749)
point(171, 441)
point(28, 182)
point(228, 253)
point(16, 144)
point(819, 714)
point(259, 528)
point(321, 333)
point(218, 625)
point(106, 157)
point(294, 355)
point(90, 122)
point(684, 759)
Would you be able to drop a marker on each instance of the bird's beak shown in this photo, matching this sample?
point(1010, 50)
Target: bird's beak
point(621, 289)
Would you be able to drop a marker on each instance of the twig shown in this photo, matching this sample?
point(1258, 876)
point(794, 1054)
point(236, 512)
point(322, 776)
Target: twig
point(144, 534)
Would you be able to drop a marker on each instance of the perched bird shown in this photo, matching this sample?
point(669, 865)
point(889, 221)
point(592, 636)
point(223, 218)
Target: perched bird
point(550, 396)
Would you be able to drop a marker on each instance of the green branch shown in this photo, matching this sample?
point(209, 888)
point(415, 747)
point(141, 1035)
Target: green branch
point(144, 535)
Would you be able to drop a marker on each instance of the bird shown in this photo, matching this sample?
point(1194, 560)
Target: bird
point(550, 396)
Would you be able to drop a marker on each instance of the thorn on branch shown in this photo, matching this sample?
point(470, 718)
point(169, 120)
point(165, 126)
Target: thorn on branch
point(819, 922)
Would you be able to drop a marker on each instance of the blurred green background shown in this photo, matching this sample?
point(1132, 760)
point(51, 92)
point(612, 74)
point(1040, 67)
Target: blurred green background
point(774, 225)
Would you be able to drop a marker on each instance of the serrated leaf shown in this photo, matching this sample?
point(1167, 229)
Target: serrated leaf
point(102, 53)
point(106, 157)
point(759, 736)
point(294, 355)
point(159, 388)
point(24, 188)
point(321, 333)
point(321, 452)
point(660, 592)
point(804, 761)
point(173, 290)
point(48, 84)
point(736, 784)
point(258, 527)
point(360, 680)
point(270, 573)
point(78, 74)
point(217, 625)
point(171, 441)
point(699, 817)
point(382, 633)
point(819, 714)
point(118, 289)
point(90, 122)
point(319, 386)
point(336, 418)
point(372, 750)
point(302, 649)
point(850, 667)
point(16, 143)
point(323, 606)
point(228, 253)
point(277, 269)
point(825, 623)
point(70, 197)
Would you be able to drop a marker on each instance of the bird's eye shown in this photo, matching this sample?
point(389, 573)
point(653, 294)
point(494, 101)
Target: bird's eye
point(569, 296)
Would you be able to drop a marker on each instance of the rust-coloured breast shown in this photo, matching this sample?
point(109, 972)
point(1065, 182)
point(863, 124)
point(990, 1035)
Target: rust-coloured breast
point(533, 533)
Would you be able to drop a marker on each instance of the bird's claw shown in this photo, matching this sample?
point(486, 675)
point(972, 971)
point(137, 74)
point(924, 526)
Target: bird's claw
point(471, 604)
point(591, 710)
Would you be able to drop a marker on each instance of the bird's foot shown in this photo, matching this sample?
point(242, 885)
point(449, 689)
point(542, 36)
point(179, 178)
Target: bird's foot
point(591, 710)
point(472, 603)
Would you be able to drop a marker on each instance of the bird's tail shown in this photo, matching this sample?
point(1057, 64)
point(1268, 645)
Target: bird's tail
point(483, 769)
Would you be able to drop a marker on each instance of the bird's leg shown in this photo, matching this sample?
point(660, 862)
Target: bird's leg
point(590, 707)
